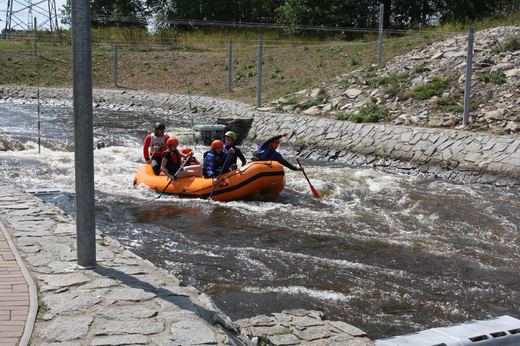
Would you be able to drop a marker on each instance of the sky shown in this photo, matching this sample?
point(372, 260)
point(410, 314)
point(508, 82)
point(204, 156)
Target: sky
point(23, 17)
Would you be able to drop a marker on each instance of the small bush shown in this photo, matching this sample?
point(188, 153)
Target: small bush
point(498, 78)
point(434, 88)
point(310, 103)
point(336, 49)
point(369, 113)
point(450, 104)
point(420, 68)
point(344, 82)
point(511, 44)
point(393, 83)
point(287, 102)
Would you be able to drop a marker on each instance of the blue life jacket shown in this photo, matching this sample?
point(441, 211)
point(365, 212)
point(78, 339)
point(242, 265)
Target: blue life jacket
point(212, 164)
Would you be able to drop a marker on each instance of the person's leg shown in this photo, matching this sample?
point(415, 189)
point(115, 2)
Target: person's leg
point(156, 166)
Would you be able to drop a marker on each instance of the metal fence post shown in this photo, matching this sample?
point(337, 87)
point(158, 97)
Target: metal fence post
point(35, 37)
point(469, 71)
point(380, 37)
point(230, 67)
point(259, 72)
point(116, 67)
point(83, 133)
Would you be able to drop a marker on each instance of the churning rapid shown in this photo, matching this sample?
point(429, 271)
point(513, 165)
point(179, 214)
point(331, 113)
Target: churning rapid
point(387, 252)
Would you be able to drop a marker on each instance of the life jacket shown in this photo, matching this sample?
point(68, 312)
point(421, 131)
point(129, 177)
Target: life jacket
point(261, 156)
point(174, 161)
point(157, 141)
point(217, 164)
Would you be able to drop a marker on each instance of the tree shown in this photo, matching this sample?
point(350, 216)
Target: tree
point(128, 13)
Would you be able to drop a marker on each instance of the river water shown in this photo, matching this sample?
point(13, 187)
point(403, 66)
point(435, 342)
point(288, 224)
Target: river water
point(387, 252)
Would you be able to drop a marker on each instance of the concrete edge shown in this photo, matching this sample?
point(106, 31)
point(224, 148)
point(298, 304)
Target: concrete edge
point(33, 292)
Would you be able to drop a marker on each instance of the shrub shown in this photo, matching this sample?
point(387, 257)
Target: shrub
point(498, 78)
point(434, 88)
point(369, 113)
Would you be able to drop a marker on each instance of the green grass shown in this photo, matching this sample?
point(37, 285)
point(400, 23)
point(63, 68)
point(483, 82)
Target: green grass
point(434, 88)
point(369, 113)
point(170, 61)
point(498, 78)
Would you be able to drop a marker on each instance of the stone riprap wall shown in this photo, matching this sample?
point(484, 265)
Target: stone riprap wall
point(461, 155)
point(464, 156)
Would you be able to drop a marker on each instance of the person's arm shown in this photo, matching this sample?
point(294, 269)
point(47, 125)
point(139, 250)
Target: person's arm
point(163, 165)
point(276, 156)
point(241, 156)
point(289, 165)
point(146, 152)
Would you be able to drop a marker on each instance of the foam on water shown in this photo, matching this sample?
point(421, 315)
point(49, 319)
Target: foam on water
point(300, 290)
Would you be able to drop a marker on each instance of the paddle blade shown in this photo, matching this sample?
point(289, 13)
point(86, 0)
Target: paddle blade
point(315, 192)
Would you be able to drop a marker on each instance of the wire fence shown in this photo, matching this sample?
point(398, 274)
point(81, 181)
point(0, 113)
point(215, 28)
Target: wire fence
point(219, 64)
point(172, 65)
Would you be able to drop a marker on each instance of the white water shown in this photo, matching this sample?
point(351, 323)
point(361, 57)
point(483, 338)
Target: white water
point(388, 252)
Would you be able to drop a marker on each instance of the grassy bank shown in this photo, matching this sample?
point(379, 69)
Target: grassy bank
point(196, 61)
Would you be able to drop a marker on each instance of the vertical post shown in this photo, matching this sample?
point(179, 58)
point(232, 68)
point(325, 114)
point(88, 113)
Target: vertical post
point(469, 71)
point(116, 67)
point(38, 108)
point(380, 37)
point(259, 72)
point(39, 113)
point(35, 37)
point(230, 67)
point(83, 132)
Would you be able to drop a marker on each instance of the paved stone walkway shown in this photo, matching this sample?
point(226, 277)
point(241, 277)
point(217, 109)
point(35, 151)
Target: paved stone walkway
point(124, 300)
point(14, 296)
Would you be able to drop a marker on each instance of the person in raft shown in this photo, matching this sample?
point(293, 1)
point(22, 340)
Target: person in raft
point(193, 166)
point(231, 138)
point(171, 160)
point(214, 159)
point(154, 147)
point(266, 151)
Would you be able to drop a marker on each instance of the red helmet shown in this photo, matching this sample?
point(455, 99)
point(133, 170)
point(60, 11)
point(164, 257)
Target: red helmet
point(186, 150)
point(217, 143)
point(172, 142)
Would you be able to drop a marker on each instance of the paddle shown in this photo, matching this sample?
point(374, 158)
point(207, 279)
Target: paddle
point(175, 175)
point(313, 189)
point(220, 174)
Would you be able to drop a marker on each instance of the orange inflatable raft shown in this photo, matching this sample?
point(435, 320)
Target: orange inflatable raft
point(257, 177)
